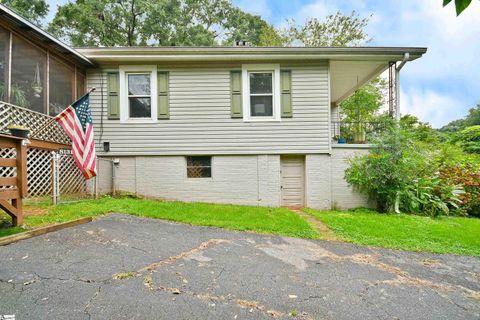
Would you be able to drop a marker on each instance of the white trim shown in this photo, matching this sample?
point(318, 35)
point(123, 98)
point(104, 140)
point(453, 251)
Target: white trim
point(187, 178)
point(330, 108)
point(275, 70)
point(124, 112)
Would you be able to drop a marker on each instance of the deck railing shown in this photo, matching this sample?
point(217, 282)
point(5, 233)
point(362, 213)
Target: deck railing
point(356, 131)
point(41, 125)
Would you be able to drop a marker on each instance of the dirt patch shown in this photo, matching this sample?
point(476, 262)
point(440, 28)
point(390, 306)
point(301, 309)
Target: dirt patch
point(319, 226)
point(34, 211)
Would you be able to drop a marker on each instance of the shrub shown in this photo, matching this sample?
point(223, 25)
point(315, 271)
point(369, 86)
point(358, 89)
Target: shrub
point(469, 139)
point(467, 176)
point(389, 169)
point(431, 196)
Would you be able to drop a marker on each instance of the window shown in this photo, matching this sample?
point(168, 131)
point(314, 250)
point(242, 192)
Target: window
point(138, 92)
point(261, 93)
point(139, 95)
point(199, 167)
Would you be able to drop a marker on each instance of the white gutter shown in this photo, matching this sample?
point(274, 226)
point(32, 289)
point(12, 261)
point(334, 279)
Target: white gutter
point(406, 57)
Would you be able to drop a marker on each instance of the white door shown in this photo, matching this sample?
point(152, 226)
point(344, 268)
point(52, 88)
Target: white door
point(293, 181)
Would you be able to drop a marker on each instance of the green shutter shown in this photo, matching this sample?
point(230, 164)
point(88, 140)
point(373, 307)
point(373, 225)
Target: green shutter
point(113, 104)
point(163, 108)
point(236, 94)
point(286, 93)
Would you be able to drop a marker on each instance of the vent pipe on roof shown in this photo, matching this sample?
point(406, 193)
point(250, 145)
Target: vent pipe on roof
point(241, 43)
point(406, 57)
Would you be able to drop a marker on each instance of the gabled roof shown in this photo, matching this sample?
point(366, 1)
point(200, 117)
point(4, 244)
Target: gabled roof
point(37, 33)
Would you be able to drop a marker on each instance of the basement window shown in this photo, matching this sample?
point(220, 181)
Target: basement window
point(199, 167)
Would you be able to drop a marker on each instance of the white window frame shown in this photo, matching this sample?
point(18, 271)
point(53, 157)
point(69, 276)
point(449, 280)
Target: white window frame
point(256, 68)
point(124, 107)
point(200, 178)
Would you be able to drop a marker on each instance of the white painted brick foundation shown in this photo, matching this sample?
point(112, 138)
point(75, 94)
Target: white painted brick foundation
point(247, 179)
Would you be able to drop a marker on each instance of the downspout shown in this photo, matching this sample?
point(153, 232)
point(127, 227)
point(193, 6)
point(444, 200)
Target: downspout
point(406, 57)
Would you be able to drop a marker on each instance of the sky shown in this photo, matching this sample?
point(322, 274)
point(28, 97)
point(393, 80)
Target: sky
point(439, 87)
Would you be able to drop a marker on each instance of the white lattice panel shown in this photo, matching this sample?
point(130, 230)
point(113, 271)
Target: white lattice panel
point(7, 171)
point(39, 172)
point(71, 179)
point(35, 121)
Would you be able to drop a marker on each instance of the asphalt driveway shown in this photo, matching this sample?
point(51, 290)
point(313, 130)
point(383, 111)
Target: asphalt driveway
point(122, 267)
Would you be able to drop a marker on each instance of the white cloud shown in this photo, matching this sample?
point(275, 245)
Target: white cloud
point(443, 84)
point(430, 106)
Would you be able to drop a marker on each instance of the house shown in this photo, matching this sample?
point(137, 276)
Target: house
point(242, 125)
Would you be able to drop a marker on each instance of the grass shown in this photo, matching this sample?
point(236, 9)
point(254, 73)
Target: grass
point(455, 235)
point(279, 221)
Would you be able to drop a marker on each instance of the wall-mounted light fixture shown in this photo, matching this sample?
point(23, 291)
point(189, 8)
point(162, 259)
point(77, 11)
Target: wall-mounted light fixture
point(106, 146)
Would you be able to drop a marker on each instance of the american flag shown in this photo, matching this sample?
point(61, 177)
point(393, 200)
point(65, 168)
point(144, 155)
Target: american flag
point(76, 120)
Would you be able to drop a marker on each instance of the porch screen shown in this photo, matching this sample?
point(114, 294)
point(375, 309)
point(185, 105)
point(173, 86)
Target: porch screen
point(4, 40)
point(61, 92)
point(28, 75)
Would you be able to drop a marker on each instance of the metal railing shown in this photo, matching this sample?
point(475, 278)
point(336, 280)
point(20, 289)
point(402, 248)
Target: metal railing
point(41, 125)
point(357, 132)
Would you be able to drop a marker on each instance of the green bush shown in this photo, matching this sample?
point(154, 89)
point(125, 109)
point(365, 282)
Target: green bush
point(431, 196)
point(469, 139)
point(425, 177)
point(389, 169)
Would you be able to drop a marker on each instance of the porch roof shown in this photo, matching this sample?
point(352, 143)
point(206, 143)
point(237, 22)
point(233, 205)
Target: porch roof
point(350, 67)
point(37, 33)
point(230, 54)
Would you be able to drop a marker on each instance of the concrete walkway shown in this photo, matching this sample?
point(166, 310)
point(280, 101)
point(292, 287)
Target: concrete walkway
point(122, 267)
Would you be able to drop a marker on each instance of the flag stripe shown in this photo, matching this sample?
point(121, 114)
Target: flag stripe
point(76, 120)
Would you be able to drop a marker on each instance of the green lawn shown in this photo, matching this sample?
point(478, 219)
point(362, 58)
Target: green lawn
point(455, 235)
point(259, 219)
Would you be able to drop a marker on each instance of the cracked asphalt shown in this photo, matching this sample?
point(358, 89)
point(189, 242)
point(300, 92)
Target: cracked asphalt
point(124, 267)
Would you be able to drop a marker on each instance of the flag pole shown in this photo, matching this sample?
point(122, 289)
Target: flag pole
point(51, 120)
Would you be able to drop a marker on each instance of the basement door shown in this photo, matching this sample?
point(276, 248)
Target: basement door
point(293, 181)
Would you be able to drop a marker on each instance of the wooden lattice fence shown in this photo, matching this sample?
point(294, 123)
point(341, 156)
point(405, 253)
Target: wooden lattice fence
point(39, 160)
point(40, 174)
point(71, 179)
point(40, 125)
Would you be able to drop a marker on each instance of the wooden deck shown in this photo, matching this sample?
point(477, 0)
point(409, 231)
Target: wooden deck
point(14, 189)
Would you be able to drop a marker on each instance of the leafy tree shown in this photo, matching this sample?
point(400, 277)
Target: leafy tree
point(359, 111)
point(244, 26)
point(271, 37)
point(421, 131)
point(336, 30)
point(469, 139)
point(471, 119)
point(33, 10)
point(162, 22)
point(460, 5)
point(365, 102)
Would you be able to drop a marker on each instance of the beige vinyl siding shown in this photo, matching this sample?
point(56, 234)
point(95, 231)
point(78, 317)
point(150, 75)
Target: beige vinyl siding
point(200, 117)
